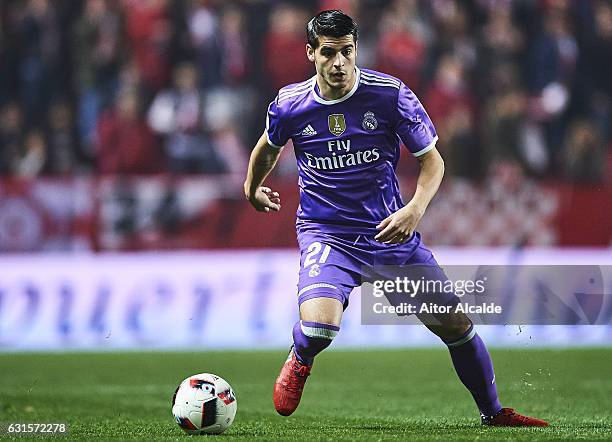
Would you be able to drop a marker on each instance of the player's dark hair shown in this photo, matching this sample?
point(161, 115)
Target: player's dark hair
point(330, 23)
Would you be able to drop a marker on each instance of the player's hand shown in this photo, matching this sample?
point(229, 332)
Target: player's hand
point(265, 200)
point(398, 227)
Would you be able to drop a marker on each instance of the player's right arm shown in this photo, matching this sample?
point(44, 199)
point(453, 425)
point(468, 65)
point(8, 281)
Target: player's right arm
point(263, 159)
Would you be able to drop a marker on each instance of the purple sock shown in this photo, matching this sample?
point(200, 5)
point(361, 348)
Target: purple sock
point(475, 369)
point(311, 338)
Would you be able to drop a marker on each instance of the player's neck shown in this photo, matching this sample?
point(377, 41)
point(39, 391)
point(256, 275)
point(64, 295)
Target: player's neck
point(328, 93)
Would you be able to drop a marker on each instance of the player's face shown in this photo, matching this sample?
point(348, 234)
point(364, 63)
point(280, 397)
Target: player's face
point(334, 61)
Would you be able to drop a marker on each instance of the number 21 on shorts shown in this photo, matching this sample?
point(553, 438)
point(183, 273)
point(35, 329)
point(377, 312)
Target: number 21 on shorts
point(313, 252)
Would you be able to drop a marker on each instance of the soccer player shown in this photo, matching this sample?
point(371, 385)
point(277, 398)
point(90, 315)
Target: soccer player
point(346, 125)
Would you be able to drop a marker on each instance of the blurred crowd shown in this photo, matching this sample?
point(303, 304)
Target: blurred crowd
point(181, 86)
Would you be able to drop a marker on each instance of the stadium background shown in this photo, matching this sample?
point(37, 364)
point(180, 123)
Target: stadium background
point(126, 127)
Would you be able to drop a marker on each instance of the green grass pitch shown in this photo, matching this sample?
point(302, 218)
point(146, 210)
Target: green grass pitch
point(410, 394)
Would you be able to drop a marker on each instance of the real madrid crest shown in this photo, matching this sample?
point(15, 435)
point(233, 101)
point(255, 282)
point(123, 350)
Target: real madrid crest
point(337, 124)
point(369, 121)
point(315, 270)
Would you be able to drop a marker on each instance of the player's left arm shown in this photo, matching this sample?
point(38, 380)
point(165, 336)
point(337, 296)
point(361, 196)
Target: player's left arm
point(398, 227)
point(417, 132)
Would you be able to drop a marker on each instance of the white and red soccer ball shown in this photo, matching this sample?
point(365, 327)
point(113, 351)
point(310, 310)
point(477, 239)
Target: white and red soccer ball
point(204, 404)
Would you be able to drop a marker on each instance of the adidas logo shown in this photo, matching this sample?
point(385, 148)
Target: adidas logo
point(309, 131)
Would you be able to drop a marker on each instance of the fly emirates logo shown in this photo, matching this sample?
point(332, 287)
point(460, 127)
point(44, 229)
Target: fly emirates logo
point(340, 156)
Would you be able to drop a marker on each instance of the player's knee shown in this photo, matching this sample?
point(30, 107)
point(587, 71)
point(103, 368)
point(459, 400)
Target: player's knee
point(311, 338)
point(451, 333)
point(451, 327)
point(325, 310)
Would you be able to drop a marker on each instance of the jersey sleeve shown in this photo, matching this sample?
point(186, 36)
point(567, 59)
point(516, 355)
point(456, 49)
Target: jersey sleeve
point(414, 126)
point(276, 128)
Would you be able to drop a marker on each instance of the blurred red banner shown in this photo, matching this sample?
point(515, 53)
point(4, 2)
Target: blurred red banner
point(164, 213)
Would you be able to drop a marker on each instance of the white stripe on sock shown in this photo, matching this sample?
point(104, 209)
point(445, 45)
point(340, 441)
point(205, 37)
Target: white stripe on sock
point(318, 332)
point(463, 340)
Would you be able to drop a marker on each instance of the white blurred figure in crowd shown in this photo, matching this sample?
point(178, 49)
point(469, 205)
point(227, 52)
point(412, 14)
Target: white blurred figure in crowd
point(32, 159)
point(178, 114)
point(550, 75)
point(203, 24)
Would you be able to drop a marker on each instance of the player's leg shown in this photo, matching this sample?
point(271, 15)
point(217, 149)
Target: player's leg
point(318, 325)
point(474, 367)
point(470, 357)
point(468, 352)
point(327, 276)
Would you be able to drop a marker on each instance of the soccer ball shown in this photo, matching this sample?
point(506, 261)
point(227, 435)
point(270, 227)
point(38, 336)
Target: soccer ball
point(204, 404)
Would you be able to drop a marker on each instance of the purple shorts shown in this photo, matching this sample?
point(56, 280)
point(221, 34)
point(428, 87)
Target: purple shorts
point(332, 264)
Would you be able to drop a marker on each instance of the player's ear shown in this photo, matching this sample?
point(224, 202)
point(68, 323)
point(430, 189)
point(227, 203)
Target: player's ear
point(310, 53)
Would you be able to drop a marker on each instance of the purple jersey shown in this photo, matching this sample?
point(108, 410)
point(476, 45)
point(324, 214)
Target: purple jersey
point(347, 149)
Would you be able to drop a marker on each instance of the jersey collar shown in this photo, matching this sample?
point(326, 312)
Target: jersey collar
point(318, 98)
